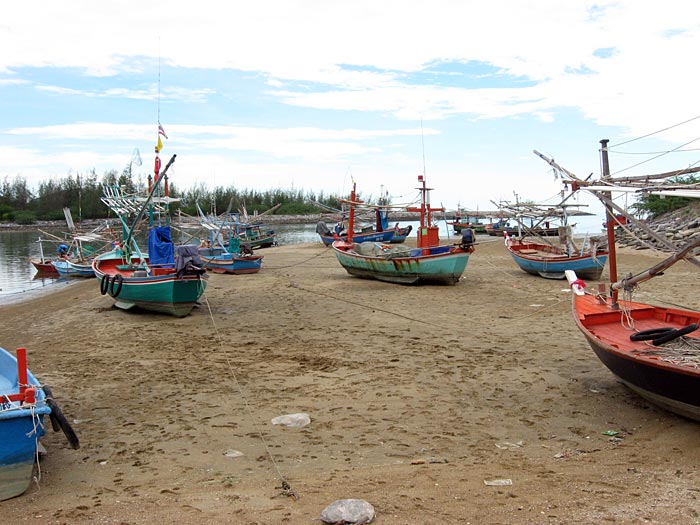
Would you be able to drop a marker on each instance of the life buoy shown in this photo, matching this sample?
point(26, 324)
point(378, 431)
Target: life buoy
point(104, 284)
point(116, 287)
point(59, 421)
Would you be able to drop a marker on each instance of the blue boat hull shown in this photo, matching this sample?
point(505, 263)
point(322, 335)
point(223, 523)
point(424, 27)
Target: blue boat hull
point(229, 263)
point(551, 262)
point(69, 269)
point(20, 428)
point(586, 267)
point(385, 236)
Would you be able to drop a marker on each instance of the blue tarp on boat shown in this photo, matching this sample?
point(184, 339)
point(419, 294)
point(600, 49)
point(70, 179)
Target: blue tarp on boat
point(160, 246)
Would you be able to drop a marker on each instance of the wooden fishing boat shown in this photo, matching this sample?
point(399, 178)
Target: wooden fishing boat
point(428, 263)
point(380, 232)
point(168, 279)
point(68, 268)
point(658, 359)
point(236, 264)
point(499, 228)
point(327, 237)
point(43, 264)
point(653, 350)
point(550, 261)
point(23, 405)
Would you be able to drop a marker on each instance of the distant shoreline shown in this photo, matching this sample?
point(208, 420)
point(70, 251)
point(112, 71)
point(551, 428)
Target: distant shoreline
point(262, 219)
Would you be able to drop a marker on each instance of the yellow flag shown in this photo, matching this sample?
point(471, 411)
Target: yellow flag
point(160, 145)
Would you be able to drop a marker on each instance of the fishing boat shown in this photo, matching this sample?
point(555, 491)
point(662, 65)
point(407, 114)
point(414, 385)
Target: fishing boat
point(500, 227)
point(429, 262)
point(233, 258)
point(167, 278)
point(551, 261)
point(24, 403)
point(233, 263)
point(68, 268)
point(653, 350)
point(43, 264)
point(541, 256)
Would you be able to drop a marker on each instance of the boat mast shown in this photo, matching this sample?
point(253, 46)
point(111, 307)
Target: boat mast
point(351, 220)
point(428, 235)
point(610, 220)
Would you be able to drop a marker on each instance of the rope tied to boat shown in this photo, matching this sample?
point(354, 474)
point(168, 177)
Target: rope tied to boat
point(286, 488)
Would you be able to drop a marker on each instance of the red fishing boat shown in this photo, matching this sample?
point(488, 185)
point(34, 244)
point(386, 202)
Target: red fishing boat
point(653, 350)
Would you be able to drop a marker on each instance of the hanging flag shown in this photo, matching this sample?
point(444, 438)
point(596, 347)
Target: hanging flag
point(159, 146)
point(161, 131)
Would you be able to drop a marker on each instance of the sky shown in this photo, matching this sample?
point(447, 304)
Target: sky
point(312, 95)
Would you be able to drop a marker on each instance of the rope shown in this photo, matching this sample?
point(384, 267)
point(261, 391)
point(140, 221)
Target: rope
point(324, 252)
point(654, 132)
point(322, 294)
point(285, 486)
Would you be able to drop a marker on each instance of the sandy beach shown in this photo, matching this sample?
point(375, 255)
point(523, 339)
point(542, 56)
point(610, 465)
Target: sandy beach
point(417, 396)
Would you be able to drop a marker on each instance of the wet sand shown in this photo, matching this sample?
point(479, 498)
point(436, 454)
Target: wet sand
point(417, 396)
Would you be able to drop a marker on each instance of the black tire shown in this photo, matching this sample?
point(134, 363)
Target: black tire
point(59, 421)
point(116, 287)
point(675, 334)
point(104, 284)
point(645, 335)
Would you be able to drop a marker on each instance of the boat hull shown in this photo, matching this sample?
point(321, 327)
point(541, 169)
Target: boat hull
point(162, 291)
point(438, 265)
point(44, 266)
point(550, 263)
point(20, 428)
point(229, 263)
point(664, 381)
point(384, 236)
point(70, 269)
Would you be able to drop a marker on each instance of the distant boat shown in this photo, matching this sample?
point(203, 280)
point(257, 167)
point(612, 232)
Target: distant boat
point(428, 263)
point(381, 232)
point(43, 264)
point(168, 279)
point(498, 228)
point(24, 405)
point(68, 268)
point(236, 264)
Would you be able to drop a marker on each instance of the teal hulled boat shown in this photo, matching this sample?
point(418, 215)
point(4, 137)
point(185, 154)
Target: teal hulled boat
point(428, 263)
point(168, 278)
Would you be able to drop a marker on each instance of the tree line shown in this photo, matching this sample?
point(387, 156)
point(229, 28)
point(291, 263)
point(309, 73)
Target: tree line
point(652, 206)
point(82, 194)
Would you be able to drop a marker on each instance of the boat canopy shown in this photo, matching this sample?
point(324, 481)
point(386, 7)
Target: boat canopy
point(161, 251)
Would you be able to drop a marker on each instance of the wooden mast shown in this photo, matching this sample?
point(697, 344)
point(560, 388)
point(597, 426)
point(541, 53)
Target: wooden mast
point(610, 220)
point(428, 235)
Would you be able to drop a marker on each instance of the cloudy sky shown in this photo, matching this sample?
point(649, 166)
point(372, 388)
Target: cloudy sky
point(313, 94)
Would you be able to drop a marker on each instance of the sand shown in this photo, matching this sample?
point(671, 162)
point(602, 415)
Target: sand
point(416, 395)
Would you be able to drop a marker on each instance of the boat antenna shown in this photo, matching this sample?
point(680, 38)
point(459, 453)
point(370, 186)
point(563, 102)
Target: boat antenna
point(158, 80)
point(422, 140)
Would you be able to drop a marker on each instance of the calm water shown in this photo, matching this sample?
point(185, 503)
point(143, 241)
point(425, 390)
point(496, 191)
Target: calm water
point(20, 280)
